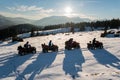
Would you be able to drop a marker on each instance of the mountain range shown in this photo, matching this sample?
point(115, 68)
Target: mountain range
point(52, 20)
point(8, 21)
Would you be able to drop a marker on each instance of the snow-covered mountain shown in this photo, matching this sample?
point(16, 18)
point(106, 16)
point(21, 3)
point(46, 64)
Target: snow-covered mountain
point(52, 20)
point(76, 64)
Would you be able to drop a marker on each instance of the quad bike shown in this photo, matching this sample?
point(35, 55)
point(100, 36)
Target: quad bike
point(71, 44)
point(23, 51)
point(17, 39)
point(46, 48)
point(95, 46)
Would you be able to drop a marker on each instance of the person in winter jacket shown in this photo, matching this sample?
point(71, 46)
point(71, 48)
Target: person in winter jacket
point(50, 43)
point(27, 45)
point(93, 42)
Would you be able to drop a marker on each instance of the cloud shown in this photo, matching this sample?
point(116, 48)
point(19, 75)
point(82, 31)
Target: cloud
point(81, 15)
point(38, 15)
point(29, 12)
point(24, 8)
point(90, 16)
point(34, 12)
point(30, 16)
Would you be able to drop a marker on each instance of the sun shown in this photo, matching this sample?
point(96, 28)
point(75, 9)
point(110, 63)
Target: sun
point(68, 11)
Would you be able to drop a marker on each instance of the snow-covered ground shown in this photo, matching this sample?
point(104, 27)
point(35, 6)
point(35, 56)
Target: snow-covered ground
point(77, 64)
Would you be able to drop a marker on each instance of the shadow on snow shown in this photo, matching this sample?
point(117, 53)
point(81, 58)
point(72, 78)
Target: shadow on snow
point(10, 63)
point(72, 63)
point(42, 62)
point(9, 44)
point(106, 58)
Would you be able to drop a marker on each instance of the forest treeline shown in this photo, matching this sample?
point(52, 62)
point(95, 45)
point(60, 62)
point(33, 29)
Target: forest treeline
point(24, 28)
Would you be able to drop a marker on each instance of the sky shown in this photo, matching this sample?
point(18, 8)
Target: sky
point(37, 9)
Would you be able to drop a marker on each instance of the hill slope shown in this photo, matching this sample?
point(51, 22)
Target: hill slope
point(8, 21)
point(77, 64)
point(52, 20)
point(5, 22)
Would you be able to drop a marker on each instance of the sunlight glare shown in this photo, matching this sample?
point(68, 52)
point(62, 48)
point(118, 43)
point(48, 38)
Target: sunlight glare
point(68, 10)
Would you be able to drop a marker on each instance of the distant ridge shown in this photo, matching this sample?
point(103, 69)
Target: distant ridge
point(52, 20)
point(59, 20)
